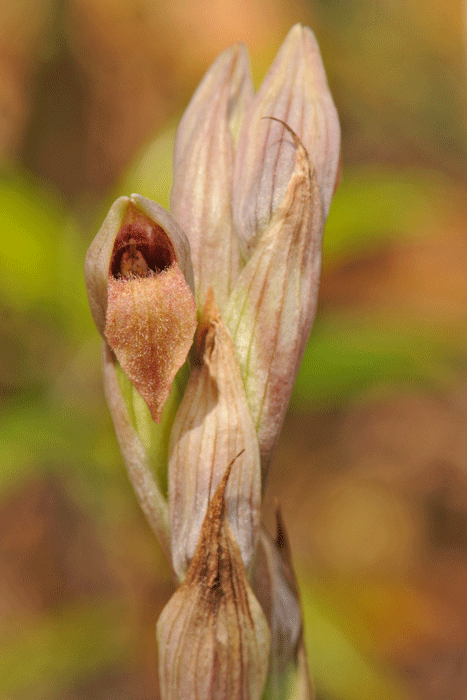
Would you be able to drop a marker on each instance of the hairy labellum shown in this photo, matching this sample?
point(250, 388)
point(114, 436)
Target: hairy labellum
point(139, 282)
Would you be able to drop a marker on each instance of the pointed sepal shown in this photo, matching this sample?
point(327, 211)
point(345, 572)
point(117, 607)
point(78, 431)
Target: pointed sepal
point(295, 92)
point(203, 170)
point(274, 583)
point(213, 425)
point(212, 635)
point(272, 307)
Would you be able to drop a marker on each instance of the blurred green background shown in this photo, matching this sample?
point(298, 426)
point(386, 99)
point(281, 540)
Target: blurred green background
point(371, 470)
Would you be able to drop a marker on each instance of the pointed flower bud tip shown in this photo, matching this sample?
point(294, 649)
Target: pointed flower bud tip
point(212, 425)
point(295, 92)
point(203, 166)
point(212, 635)
point(271, 309)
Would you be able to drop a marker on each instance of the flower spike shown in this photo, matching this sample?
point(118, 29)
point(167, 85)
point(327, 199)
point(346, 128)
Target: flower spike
point(235, 268)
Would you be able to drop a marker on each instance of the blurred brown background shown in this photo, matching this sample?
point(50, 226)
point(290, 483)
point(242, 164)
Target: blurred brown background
point(371, 471)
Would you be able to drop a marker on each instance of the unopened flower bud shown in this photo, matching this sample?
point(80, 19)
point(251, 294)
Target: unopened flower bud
point(203, 170)
point(212, 635)
point(138, 277)
point(294, 91)
point(212, 426)
point(271, 309)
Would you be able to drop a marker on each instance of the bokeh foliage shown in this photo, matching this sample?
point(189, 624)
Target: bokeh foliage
point(399, 88)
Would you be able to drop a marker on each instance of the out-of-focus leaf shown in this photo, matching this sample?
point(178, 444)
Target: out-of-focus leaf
point(339, 669)
point(151, 171)
point(373, 205)
point(345, 354)
point(42, 298)
point(37, 435)
point(30, 226)
point(37, 660)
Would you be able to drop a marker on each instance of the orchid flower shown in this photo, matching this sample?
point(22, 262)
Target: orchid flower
point(205, 314)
